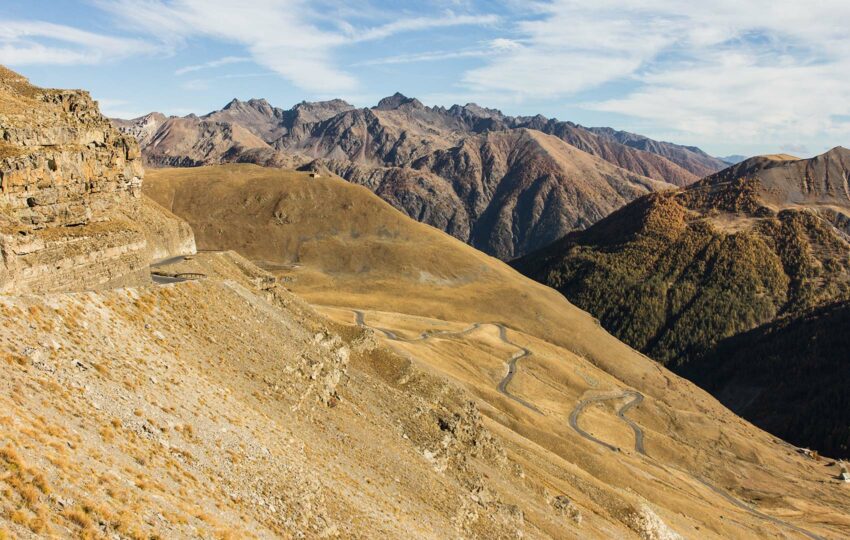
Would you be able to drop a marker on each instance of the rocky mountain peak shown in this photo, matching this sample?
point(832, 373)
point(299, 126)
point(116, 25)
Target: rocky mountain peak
point(317, 111)
point(236, 105)
point(335, 103)
point(259, 102)
point(254, 104)
point(473, 109)
point(398, 100)
point(838, 152)
point(232, 104)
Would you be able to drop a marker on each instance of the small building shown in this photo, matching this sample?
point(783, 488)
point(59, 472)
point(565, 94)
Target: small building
point(315, 175)
point(845, 476)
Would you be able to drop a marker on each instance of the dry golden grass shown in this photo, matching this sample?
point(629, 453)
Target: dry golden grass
point(343, 248)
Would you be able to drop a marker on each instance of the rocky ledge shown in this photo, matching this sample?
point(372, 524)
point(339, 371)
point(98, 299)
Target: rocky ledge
point(70, 194)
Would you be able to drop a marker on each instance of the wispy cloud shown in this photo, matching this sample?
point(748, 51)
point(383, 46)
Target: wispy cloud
point(290, 37)
point(430, 56)
point(21, 44)
point(496, 46)
point(418, 24)
point(717, 70)
point(720, 69)
point(225, 61)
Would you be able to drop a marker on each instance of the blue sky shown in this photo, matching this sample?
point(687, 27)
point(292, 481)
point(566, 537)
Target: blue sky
point(729, 76)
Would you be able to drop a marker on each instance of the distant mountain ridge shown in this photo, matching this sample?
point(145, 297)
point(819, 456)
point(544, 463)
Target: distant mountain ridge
point(734, 159)
point(504, 184)
point(690, 157)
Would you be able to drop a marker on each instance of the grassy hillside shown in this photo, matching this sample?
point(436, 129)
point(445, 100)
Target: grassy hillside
point(343, 245)
point(343, 249)
point(679, 275)
point(672, 274)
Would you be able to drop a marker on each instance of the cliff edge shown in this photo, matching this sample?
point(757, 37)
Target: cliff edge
point(71, 208)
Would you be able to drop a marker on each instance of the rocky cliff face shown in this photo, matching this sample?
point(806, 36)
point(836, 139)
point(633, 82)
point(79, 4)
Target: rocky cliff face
point(61, 163)
point(70, 189)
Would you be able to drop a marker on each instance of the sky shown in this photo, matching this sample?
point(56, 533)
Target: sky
point(730, 76)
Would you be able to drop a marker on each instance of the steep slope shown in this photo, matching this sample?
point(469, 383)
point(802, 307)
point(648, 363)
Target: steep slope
point(786, 182)
point(504, 192)
point(143, 128)
point(406, 124)
point(637, 160)
point(673, 274)
point(522, 189)
point(807, 405)
point(226, 408)
point(549, 382)
point(271, 123)
point(690, 158)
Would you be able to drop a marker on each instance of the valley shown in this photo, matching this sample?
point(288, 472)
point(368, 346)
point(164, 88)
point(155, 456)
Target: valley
point(763, 243)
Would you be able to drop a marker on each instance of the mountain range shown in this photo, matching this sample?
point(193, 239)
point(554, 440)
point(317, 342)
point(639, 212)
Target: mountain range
point(709, 249)
point(506, 185)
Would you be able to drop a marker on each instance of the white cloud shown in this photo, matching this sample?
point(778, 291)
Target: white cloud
point(19, 45)
point(489, 48)
point(422, 23)
point(289, 37)
point(721, 69)
point(430, 56)
point(739, 98)
point(504, 44)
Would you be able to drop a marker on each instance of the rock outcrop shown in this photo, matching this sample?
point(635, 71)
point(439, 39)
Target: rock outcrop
point(61, 162)
point(70, 193)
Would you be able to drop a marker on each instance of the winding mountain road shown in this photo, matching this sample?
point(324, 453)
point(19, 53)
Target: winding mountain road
point(161, 279)
point(636, 399)
point(502, 388)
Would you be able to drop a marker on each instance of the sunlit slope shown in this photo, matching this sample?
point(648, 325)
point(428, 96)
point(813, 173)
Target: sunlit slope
point(345, 246)
point(344, 250)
